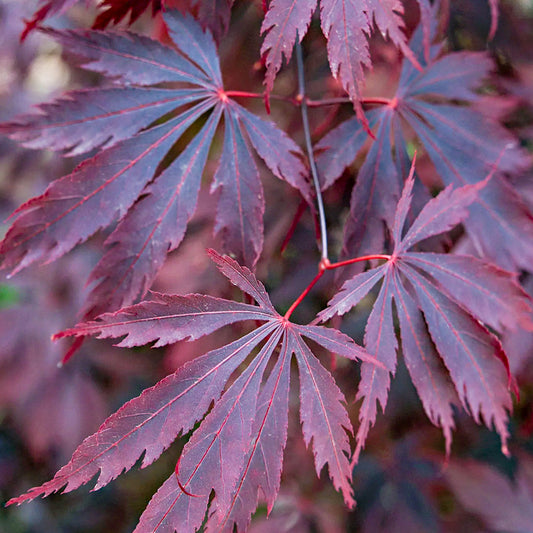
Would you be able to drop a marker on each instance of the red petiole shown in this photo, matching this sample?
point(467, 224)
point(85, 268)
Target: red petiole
point(325, 265)
point(297, 101)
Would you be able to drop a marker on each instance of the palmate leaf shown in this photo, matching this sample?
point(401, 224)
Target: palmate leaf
point(238, 448)
point(463, 145)
point(346, 25)
point(213, 15)
point(136, 124)
point(442, 302)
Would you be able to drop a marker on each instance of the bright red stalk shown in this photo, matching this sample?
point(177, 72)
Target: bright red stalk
point(326, 265)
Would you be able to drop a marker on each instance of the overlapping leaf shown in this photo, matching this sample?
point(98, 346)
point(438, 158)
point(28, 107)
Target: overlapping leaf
point(463, 145)
point(238, 447)
point(213, 14)
point(163, 93)
point(442, 302)
point(346, 25)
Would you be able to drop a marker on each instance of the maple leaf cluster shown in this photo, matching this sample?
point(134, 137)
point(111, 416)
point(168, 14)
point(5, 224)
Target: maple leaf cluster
point(161, 123)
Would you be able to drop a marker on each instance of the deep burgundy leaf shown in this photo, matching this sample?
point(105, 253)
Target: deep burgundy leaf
point(278, 151)
point(285, 21)
point(346, 25)
point(131, 58)
point(195, 44)
point(337, 149)
point(237, 449)
point(424, 364)
point(380, 341)
point(324, 419)
point(352, 292)
point(106, 187)
point(440, 214)
point(116, 10)
point(151, 228)
point(471, 355)
point(151, 422)
point(519, 343)
point(453, 296)
point(50, 225)
point(243, 278)
point(348, 52)
point(492, 295)
point(168, 319)
point(214, 456)
point(464, 146)
point(374, 196)
point(265, 460)
point(420, 195)
point(453, 76)
point(128, 110)
point(241, 203)
point(336, 342)
point(404, 204)
point(214, 15)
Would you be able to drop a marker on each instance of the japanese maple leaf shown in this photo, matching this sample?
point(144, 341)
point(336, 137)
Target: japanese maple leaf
point(442, 302)
point(212, 14)
point(346, 25)
point(239, 444)
point(159, 93)
point(47, 9)
point(116, 10)
point(463, 145)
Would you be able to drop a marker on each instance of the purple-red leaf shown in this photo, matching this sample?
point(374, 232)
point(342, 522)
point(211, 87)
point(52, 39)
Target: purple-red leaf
point(243, 278)
point(464, 146)
point(352, 292)
point(336, 342)
point(493, 295)
point(154, 226)
point(265, 460)
point(454, 293)
point(151, 422)
point(285, 21)
point(278, 151)
point(116, 10)
point(324, 419)
point(74, 207)
point(471, 354)
point(374, 196)
point(127, 111)
point(237, 450)
point(215, 455)
point(337, 149)
point(439, 215)
point(168, 319)
point(131, 58)
point(424, 365)
point(346, 25)
point(139, 177)
point(380, 341)
point(240, 202)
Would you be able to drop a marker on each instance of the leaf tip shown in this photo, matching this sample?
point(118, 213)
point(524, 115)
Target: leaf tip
point(505, 450)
